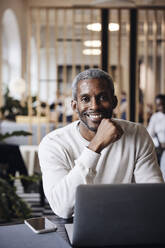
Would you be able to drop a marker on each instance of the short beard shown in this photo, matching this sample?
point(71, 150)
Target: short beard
point(107, 116)
point(85, 124)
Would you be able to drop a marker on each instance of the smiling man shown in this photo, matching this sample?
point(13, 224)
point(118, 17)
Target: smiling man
point(96, 149)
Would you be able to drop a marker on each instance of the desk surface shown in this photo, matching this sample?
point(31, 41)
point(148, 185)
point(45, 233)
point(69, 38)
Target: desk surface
point(21, 236)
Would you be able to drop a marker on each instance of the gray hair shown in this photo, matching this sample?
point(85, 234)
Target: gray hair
point(91, 74)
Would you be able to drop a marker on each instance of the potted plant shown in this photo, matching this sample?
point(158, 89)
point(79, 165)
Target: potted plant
point(12, 207)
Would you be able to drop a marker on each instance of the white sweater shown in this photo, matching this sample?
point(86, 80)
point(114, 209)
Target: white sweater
point(157, 126)
point(66, 162)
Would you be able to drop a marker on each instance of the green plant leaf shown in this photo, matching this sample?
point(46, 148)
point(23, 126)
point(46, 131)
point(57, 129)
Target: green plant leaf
point(15, 133)
point(11, 205)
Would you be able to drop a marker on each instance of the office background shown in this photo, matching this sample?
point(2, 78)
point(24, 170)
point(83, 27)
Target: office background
point(44, 44)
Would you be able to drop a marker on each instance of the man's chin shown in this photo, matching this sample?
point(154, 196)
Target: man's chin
point(93, 129)
point(89, 127)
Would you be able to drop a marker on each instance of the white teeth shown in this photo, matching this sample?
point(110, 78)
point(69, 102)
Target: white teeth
point(95, 116)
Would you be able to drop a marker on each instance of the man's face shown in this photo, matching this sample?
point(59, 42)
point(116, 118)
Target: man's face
point(160, 106)
point(94, 103)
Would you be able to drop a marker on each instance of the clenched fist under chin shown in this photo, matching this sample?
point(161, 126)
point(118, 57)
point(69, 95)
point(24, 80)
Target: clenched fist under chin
point(108, 132)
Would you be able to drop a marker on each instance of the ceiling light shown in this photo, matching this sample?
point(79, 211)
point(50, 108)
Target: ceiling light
point(91, 51)
point(17, 87)
point(94, 27)
point(113, 26)
point(92, 43)
point(97, 27)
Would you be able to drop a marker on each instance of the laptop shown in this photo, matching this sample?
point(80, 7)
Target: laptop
point(118, 214)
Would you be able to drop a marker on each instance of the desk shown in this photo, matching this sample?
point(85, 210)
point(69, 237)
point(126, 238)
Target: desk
point(21, 236)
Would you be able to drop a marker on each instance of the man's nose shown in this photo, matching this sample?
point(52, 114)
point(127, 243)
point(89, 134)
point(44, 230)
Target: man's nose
point(94, 103)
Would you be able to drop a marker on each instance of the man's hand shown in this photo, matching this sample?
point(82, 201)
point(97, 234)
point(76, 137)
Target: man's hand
point(108, 132)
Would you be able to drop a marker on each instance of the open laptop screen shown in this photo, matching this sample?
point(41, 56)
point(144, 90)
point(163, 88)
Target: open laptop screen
point(124, 214)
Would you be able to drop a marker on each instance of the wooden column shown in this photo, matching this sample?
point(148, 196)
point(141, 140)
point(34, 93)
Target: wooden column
point(38, 43)
point(29, 30)
point(146, 55)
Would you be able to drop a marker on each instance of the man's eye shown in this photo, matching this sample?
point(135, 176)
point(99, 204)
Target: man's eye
point(85, 99)
point(103, 98)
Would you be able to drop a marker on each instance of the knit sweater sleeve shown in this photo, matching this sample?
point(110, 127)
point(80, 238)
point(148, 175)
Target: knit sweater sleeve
point(146, 167)
point(59, 179)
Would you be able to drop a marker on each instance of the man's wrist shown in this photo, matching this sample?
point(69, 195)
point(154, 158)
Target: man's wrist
point(95, 148)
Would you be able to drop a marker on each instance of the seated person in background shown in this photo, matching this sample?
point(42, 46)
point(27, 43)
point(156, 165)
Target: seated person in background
point(12, 161)
point(123, 105)
point(96, 149)
point(68, 108)
point(156, 128)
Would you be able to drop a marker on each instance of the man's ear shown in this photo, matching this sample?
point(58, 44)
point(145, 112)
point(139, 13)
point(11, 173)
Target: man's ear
point(115, 102)
point(74, 105)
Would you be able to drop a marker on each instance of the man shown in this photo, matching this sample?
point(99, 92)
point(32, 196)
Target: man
point(96, 149)
point(156, 129)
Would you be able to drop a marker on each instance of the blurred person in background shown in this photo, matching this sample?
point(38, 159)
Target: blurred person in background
point(156, 129)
